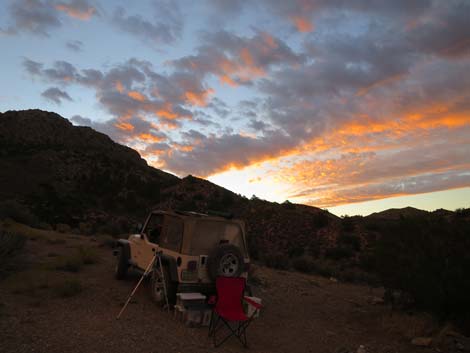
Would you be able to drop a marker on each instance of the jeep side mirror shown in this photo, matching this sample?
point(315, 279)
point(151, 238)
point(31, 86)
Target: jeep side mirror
point(138, 228)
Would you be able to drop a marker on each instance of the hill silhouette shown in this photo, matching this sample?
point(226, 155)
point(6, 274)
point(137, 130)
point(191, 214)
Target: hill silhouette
point(59, 173)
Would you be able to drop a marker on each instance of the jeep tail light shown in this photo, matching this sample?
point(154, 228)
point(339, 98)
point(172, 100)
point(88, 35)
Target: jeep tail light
point(192, 265)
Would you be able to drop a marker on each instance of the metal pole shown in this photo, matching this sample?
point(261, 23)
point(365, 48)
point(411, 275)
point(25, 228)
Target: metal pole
point(163, 280)
point(137, 286)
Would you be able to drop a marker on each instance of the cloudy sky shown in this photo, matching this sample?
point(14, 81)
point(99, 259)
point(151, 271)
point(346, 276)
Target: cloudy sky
point(355, 106)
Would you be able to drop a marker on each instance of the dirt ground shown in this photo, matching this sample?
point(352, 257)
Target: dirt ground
point(302, 313)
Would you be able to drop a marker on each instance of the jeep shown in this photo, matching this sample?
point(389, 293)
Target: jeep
point(194, 248)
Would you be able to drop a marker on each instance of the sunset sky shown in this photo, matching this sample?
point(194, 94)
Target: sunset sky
point(355, 106)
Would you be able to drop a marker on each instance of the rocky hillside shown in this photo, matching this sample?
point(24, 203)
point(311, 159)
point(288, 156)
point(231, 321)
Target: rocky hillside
point(56, 173)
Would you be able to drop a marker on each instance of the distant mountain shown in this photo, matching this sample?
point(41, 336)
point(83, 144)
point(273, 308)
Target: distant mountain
point(396, 213)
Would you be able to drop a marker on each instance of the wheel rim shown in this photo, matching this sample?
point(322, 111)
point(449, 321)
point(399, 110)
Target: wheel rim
point(228, 265)
point(157, 286)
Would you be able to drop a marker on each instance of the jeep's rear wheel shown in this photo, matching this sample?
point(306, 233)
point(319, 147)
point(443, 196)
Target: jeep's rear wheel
point(120, 270)
point(226, 261)
point(157, 288)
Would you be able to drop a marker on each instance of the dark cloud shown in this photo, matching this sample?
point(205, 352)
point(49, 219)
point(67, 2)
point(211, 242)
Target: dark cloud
point(258, 125)
point(164, 28)
point(33, 16)
point(32, 67)
point(211, 154)
point(55, 95)
point(80, 120)
point(238, 60)
point(74, 45)
point(227, 7)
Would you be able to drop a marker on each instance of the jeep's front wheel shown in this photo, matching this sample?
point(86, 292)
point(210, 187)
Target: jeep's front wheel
point(120, 270)
point(157, 288)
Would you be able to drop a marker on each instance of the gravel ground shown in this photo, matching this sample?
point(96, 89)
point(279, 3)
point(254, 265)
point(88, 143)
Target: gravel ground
point(301, 313)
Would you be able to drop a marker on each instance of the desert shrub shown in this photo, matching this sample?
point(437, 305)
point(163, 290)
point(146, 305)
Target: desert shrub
point(347, 223)
point(63, 228)
point(276, 260)
point(339, 252)
point(288, 205)
point(462, 212)
point(325, 268)
point(88, 255)
point(71, 263)
point(428, 258)
point(74, 262)
point(111, 228)
point(18, 212)
point(68, 288)
point(303, 264)
point(11, 246)
point(296, 251)
point(85, 228)
point(350, 240)
point(321, 220)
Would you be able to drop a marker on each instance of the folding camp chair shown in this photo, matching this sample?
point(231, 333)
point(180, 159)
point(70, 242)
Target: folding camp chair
point(228, 309)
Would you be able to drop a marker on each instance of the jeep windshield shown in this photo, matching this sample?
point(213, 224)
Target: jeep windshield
point(208, 234)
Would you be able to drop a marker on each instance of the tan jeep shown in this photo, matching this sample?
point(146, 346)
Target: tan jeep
point(195, 249)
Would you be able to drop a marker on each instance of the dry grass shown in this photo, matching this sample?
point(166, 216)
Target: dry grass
point(409, 325)
point(68, 288)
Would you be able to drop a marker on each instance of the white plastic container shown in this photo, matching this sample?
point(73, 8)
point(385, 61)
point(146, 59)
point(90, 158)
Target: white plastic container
point(250, 309)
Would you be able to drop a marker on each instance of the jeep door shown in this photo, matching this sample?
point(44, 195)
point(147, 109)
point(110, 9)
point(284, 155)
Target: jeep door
point(144, 246)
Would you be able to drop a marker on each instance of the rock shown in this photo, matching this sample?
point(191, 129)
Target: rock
point(63, 228)
point(376, 300)
point(459, 346)
point(421, 341)
point(361, 349)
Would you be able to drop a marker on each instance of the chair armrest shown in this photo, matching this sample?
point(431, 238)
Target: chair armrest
point(212, 300)
point(252, 302)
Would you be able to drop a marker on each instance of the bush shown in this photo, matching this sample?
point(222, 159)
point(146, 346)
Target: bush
point(429, 259)
point(340, 252)
point(11, 246)
point(321, 219)
point(88, 255)
point(18, 212)
point(75, 262)
point(69, 288)
point(350, 240)
point(276, 260)
point(69, 263)
point(304, 264)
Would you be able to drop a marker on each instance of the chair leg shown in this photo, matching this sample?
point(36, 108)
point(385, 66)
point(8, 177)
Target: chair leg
point(211, 322)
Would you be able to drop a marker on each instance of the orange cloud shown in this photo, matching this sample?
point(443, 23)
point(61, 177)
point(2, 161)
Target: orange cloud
point(124, 126)
point(137, 96)
point(151, 138)
point(166, 112)
point(119, 86)
point(79, 14)
point(183, 147)
point(198, 98)
point(302, 24)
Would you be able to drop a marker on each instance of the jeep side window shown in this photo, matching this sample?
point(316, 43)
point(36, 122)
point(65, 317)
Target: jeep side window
point(153, 228)
point(172, 234)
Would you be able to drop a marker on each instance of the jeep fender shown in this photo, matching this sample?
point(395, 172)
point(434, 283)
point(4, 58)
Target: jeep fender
point(172, 267)
point(126, 248)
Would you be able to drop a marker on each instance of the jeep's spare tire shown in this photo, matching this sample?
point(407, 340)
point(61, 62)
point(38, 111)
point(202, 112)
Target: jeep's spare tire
point(225, 261)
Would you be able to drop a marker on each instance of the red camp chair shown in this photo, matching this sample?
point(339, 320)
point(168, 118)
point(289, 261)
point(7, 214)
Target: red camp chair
point(228, 309)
